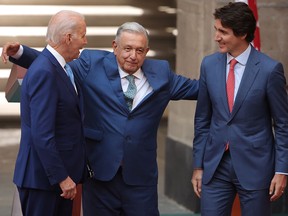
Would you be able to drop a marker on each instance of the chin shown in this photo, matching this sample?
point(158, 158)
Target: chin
point(222, 50)
point(131, 69)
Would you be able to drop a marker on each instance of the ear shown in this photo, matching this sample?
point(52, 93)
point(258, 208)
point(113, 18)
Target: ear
point(68, 38)
point(243, 37)
point(114, 45)
point(147, 50)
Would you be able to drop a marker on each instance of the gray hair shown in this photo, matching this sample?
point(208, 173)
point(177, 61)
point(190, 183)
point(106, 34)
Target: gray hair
point(61, 23)
point(132, 27)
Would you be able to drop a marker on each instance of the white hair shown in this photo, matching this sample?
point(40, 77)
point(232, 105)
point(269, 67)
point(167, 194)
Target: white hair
point(132, 27)
point(61, 23)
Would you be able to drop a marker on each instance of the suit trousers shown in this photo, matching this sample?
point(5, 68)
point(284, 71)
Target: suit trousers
point(218, 195)
point(45, 203)
point(116, 198)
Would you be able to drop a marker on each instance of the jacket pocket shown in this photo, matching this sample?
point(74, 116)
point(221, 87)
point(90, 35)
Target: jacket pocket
point(93, 134)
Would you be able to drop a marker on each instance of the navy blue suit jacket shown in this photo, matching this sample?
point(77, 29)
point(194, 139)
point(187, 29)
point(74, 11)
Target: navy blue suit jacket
point(114, 135)
point(52, 140)
point(258, 145)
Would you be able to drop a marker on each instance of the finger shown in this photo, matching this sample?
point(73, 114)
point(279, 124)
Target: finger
point(196, 188)
point(199, 188)
point(274, 197)
point(272, 189)
point(73, 196)
point(67, 195)
point(74, 192)
point(197, 193)
point(4, 57)
point(64, 195)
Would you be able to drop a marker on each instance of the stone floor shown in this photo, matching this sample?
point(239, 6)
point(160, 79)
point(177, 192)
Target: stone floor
point(9, 144)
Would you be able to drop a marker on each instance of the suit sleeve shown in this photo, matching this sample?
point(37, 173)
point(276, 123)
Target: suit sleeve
point(202, 120)
point(183, 88)
point(28, 56)
point(278, 103)
point(81, 66)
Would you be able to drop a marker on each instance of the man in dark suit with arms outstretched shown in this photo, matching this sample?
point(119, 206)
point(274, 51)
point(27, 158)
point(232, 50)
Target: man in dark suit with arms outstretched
point(122, 139)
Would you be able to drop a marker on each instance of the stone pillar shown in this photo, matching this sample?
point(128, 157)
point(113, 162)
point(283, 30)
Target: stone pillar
point(195, 24)
point(194, 40)
point(273, 21)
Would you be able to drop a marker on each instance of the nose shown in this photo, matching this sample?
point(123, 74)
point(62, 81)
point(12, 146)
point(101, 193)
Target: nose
point(133, 53)
point(85, 40)
point(217, 36)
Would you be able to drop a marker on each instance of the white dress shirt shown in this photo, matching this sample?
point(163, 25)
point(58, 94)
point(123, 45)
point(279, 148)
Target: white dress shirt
point(239, 67)
point(141, 82)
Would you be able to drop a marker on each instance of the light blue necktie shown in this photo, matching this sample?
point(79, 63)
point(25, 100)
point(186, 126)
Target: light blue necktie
point(131, 91)
point(70, 75)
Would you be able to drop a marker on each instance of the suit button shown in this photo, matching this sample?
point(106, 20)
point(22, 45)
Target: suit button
point(128, 138)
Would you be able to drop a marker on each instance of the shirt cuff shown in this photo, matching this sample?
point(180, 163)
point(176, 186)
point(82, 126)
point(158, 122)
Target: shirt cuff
point(281, 173)
point(19, 53)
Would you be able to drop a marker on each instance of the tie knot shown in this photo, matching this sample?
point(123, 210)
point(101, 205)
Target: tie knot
point(130, 78)
point(233, 62)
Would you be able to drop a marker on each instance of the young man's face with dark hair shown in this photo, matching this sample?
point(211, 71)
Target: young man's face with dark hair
point(227, 41)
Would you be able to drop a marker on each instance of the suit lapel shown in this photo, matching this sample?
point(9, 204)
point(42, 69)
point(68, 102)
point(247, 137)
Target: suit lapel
point(250, 73)
point(221, 67)
point(67, 81)
point(151, 75)
point(153, 79)
point(61, 73)
point(112, 72)
point(111, 69)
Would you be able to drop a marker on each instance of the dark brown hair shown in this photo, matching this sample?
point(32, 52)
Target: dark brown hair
point(238, 17)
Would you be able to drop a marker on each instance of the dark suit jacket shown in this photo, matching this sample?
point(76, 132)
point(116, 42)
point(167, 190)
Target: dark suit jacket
point(115, 135)
point(256, 153)
point(52, 140)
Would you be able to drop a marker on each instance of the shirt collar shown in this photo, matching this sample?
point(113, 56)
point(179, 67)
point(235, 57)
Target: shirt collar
point(242, 58)
point(59, 58)
point(138, 74)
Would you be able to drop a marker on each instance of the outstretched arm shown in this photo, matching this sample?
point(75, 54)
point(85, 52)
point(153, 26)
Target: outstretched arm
point(25, 55)
point(9, 49)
